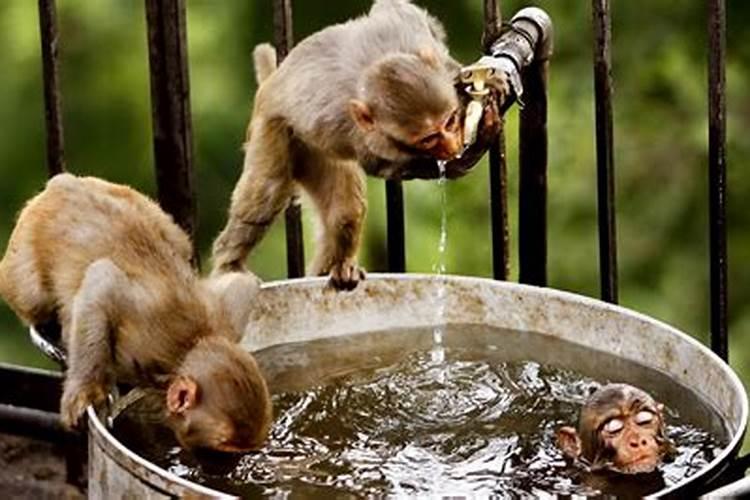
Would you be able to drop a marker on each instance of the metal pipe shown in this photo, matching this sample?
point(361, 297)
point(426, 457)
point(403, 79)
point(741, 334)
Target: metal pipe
point(32, 423)
point(520, 55)
point(532, 197)
point(605, 150)
point(30, 387)
point(283, 40)
point(170, 112)
point(528, 45)
point(50, 74)
point(717, 176)
point(394, 200)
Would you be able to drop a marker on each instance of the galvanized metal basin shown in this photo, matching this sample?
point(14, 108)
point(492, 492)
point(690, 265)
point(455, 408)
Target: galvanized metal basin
point(303, 310)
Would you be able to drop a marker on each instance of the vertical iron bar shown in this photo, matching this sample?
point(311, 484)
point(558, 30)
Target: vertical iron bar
point(170, 112)
point(532, 201)
point(499, 207)
point(50, 74)
point(493, 21)
point(394, 198)
point(283, 40)
point(717, 175)
point(605, 150)
point(497, 164)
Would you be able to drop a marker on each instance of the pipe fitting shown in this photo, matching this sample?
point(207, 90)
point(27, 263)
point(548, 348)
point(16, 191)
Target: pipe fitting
point(543, 42)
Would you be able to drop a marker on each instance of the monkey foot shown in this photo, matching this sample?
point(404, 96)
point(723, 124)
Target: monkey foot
point(75, 400)
point(346, 276)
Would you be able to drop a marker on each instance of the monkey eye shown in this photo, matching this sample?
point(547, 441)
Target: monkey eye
point(452, 121)
point(644, 417)
point(430, 141)
point(613, 426)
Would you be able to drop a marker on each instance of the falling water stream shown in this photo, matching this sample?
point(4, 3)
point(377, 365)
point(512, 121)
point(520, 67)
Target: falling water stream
point(438, 352)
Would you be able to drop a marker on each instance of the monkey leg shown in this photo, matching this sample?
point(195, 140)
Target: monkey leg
point(89, 345)
point(264, 190)
point(337, 189)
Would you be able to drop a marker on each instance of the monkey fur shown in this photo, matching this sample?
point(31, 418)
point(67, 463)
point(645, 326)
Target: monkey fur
point(114, 270)
point(375, 95)
point(620, 429)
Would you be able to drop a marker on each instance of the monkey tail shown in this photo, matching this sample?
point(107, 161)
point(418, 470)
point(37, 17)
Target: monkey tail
point(264, 58)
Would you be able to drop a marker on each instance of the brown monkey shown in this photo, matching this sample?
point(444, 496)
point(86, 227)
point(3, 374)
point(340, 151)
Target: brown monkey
point(620, 429)
point(374, 95)
point(114, 270)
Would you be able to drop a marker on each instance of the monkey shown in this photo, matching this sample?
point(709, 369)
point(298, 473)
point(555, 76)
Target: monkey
point(376, 96)
point(114, 271)
point(620, 429)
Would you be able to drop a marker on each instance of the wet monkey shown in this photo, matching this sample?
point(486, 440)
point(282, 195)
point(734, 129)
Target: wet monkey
point(373, 96)
point(620, 429)
point(114, 270)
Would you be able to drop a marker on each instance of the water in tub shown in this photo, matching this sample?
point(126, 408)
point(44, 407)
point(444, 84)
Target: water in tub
point(366, 416)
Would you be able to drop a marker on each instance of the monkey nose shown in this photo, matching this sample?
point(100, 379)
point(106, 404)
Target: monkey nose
point(636, 443)
point(451, 148)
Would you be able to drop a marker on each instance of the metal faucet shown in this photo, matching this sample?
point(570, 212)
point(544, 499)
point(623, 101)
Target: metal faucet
point(476, 77)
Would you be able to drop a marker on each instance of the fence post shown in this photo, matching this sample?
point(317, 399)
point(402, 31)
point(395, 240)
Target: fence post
point(170, 112)
point(498, 168)
point(283, 40)
point(605, 150)
point(717, 176)
point(50, 74)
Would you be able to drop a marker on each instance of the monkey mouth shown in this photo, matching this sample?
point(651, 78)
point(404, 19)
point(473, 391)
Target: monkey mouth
point(639, 465)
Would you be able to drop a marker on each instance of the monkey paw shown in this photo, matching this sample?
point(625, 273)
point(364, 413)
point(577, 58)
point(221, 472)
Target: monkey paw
point(504, 79)
point(76, 398)
point(346, 275)
point(500, 83)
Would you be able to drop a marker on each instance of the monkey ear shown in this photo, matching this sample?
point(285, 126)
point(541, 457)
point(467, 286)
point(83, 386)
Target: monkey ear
point(182, 395)
point(569, 442)
point(428, 55)
point(362, 115)
point(236, 292)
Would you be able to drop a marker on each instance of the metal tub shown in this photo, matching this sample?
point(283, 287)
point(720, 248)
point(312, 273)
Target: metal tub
point(303, 310)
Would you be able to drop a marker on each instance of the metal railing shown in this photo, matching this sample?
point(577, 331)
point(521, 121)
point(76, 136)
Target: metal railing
point(172, 140)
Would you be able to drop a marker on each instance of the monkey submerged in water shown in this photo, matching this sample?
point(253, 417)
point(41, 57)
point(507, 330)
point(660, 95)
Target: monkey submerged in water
point(620, 429)
point(114, 270)
point(374, 95)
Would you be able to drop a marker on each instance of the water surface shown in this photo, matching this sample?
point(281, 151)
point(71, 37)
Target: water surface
point(373, 414)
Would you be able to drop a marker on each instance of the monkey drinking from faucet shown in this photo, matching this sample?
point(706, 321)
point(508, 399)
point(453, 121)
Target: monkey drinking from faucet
point(376, 95)
point(114, 270)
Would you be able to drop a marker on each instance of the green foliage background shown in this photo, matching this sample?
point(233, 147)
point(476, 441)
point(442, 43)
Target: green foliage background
point(660, 138)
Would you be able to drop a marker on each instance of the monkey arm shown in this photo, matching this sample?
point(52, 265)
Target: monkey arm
point(89, 346)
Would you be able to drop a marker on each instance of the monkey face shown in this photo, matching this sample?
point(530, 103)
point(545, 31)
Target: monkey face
point(621, 428)
point(439, 136)
point(205, 428)
point(630, 440)
point(442, 141)
point(408, 108)
point(220, 401)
